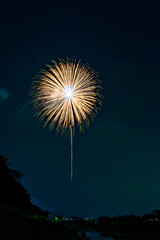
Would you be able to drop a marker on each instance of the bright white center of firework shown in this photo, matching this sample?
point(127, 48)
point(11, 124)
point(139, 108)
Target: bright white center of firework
point(68, 92)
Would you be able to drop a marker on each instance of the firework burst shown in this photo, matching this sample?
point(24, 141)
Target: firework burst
point(67, 94)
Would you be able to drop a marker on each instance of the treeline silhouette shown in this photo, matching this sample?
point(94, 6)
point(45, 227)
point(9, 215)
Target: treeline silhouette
point(132, 226)
point(13, 195)
point(19, 218)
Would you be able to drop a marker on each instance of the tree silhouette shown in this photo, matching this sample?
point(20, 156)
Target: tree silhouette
point(12, 192)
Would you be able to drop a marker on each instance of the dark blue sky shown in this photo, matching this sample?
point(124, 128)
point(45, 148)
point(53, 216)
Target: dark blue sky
point(117, 159)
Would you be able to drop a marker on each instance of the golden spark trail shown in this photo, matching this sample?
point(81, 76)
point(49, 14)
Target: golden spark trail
point(70, 127)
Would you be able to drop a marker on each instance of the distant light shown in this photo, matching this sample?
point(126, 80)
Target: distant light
point(68, 92)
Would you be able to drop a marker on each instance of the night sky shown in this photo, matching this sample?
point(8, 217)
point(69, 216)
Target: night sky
point(117, 159)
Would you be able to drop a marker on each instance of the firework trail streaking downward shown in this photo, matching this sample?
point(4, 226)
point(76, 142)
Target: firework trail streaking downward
point(71, 151)
point(66, 95)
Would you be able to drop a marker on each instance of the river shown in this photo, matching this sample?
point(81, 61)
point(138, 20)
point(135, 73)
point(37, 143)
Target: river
point(97, 236)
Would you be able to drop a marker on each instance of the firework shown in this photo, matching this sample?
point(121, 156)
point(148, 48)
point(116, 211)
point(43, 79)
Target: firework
point(66, 95)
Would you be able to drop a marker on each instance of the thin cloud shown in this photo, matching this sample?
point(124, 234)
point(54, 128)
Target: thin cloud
point(4, 94)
